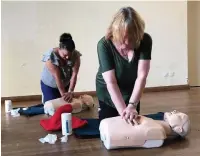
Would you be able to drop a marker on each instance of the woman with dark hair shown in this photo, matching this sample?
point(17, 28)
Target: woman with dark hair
point(59, 75)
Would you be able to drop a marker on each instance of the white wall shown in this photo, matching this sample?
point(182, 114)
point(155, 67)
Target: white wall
point(31, 28)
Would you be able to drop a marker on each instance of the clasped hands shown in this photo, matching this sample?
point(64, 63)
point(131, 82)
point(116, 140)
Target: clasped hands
point(129, 114)
point(68, 96)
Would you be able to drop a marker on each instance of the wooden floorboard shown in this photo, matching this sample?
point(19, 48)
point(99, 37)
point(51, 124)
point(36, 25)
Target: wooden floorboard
point(19, 135)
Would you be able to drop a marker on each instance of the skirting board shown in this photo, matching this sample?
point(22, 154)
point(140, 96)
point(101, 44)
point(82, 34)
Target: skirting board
point(93, 93)
point(39, 97)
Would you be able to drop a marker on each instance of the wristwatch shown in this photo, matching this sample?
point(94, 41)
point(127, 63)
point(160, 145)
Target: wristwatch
point(134, 104)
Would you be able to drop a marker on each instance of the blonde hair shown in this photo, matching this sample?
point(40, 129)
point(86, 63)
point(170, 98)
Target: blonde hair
point(126, 22)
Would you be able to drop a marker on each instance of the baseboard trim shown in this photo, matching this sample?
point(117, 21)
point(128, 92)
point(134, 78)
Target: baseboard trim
point(166, 88)
point(93, 93)
point(39, 97)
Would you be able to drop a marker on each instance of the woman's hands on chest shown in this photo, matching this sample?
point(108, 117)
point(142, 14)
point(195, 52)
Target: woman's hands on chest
point(68, 96)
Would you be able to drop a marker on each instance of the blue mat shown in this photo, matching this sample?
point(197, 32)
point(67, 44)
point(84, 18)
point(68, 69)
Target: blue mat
point(32, 110)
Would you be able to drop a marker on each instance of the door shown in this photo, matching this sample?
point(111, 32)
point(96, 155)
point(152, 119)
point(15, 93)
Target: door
point(194, 43)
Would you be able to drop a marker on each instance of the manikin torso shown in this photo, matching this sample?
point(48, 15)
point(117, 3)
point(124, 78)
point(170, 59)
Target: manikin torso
point(116, 133)
point(52, 105)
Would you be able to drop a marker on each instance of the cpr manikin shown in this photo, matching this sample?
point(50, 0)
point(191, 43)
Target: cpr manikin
point(80, 104)
point(147, 133)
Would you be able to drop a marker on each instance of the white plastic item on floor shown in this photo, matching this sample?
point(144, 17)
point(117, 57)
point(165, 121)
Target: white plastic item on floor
point(15, 112)
point(50, 138)
point(64, 138)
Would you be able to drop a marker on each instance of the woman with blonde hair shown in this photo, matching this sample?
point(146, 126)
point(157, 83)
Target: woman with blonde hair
point(124, 55)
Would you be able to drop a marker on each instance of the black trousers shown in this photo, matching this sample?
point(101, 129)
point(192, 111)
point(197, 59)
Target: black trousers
point(107, 111)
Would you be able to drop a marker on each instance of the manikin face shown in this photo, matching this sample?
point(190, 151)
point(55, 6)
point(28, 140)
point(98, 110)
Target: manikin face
point(88, 100)
point(176, 120)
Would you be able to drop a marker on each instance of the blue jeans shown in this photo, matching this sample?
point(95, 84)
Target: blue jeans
point(50, 93)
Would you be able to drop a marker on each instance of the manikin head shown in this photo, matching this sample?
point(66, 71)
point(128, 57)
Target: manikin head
point(179, 122)
point(88, 100)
